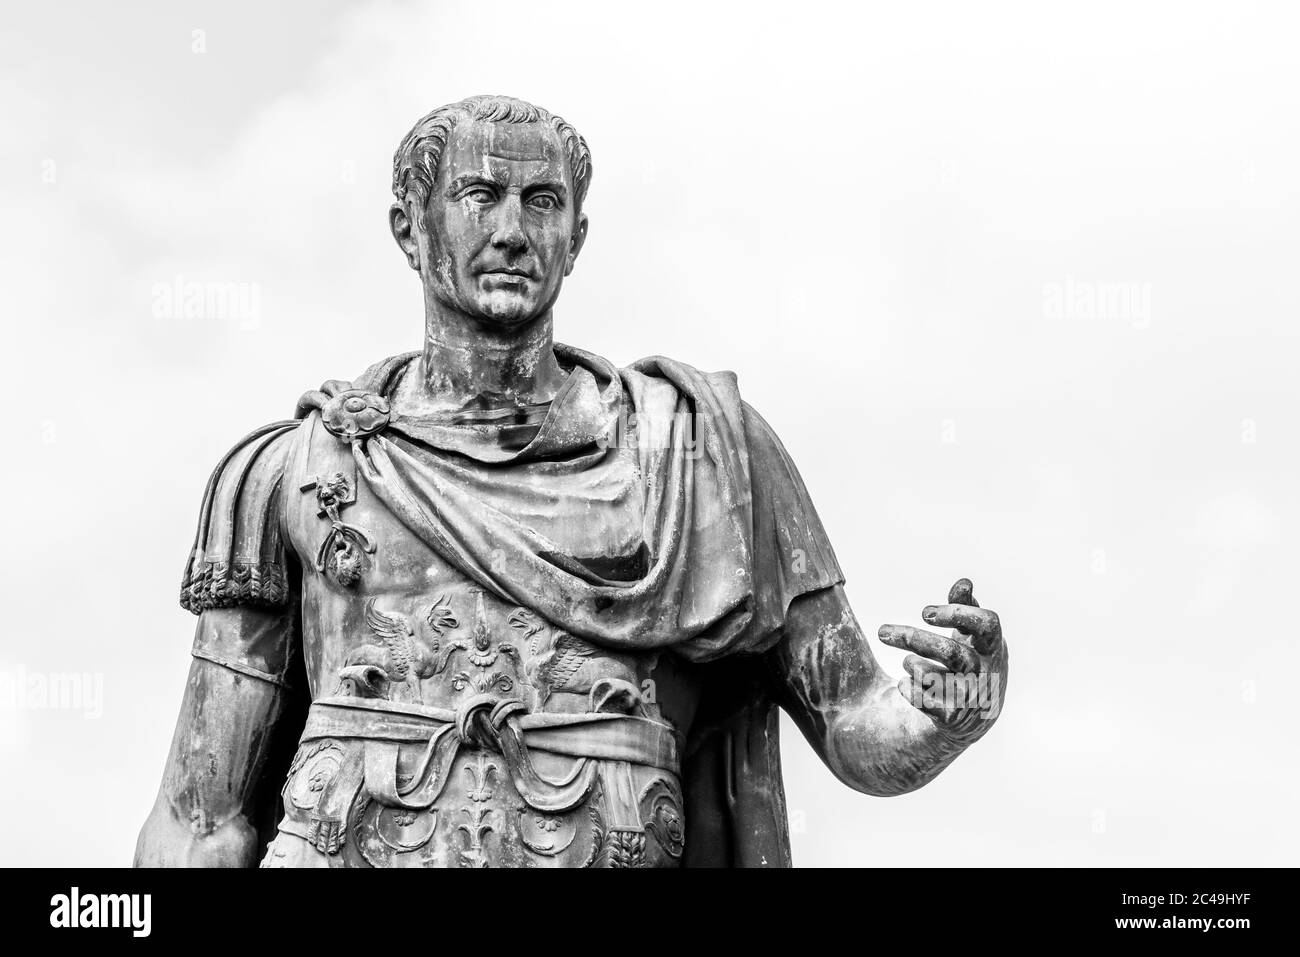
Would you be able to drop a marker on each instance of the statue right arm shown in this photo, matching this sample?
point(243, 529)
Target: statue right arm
point(231, 721)
point(223, 772)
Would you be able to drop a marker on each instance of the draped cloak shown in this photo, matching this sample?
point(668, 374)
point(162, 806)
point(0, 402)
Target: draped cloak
point(651, 509)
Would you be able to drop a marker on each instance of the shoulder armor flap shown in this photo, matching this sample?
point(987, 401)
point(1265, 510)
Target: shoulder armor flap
point(238, 555)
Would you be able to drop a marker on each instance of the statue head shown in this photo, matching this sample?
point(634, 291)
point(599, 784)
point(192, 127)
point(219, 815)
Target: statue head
point(489, 206)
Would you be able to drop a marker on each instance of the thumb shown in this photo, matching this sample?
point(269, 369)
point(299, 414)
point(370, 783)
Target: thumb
point(962, 593)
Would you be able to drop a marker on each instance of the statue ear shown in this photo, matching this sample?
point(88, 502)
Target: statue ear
point(399, 221)
point(576, 242)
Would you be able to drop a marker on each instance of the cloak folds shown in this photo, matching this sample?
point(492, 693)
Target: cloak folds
point(650, 509)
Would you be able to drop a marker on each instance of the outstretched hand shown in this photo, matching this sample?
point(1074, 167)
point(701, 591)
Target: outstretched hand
point(959, 680)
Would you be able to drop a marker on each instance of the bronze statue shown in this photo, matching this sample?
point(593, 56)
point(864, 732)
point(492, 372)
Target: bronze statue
point(498, 602)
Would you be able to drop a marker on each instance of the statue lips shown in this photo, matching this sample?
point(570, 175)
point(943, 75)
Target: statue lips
point(507, 276)
point(507, 271)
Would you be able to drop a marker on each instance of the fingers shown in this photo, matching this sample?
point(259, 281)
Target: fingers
point(939, 661)
point(925, 687)
point(958, 657)
point(917, 668)
point(981, 623)
point(962, 593)
point(914, 695)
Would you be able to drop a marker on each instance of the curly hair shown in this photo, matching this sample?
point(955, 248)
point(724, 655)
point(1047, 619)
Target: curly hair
point(415, 164)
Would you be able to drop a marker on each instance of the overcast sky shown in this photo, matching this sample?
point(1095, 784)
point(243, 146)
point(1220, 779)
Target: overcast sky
point(1015, 288)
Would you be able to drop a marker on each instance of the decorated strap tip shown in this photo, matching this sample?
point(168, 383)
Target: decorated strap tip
point(355, 414)
point(340, 553)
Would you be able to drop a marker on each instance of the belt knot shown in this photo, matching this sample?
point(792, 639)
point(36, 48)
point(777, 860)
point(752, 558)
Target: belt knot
point(479, 719)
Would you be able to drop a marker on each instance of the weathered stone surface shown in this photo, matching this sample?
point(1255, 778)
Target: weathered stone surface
point(500, 603)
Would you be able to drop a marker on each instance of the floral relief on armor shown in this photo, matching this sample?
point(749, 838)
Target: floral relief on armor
point(404, 830)
point(546, 834)
point(311, 774)
point(661, 811)
point(473, 832)
point(355, 414)
point(480, 647)
point(482, 774)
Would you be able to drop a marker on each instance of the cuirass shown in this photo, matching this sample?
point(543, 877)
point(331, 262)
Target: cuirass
point(450, 727)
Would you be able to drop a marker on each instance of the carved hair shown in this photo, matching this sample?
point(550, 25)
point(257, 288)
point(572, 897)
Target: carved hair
point(415, 164)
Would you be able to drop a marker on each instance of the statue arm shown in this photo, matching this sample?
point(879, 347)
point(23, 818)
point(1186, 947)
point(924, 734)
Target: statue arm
point(224, 769)
point(878, 735)
point(218, 779)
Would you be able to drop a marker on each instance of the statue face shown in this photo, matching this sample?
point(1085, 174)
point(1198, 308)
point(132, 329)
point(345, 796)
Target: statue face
point(501, 231)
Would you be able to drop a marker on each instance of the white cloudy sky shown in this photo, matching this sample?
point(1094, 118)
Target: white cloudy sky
point(871, 213)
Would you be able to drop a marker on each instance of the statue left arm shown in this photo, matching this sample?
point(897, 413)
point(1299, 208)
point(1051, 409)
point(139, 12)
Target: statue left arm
point(881, 736)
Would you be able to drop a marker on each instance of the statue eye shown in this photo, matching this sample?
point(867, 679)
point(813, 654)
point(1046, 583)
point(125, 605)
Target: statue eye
point(544, 201)
point(479, 195)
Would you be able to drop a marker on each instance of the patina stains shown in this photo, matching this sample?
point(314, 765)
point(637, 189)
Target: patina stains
point(497, 602)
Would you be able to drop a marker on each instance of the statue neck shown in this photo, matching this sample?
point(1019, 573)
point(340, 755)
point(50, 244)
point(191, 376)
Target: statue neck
point(469, 362)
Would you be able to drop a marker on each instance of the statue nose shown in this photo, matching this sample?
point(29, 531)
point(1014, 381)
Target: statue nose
point(509, 232)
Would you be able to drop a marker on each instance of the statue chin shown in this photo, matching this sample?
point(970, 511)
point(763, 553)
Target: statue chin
point(502, 308)
point(505, 309)
point(507, 312)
